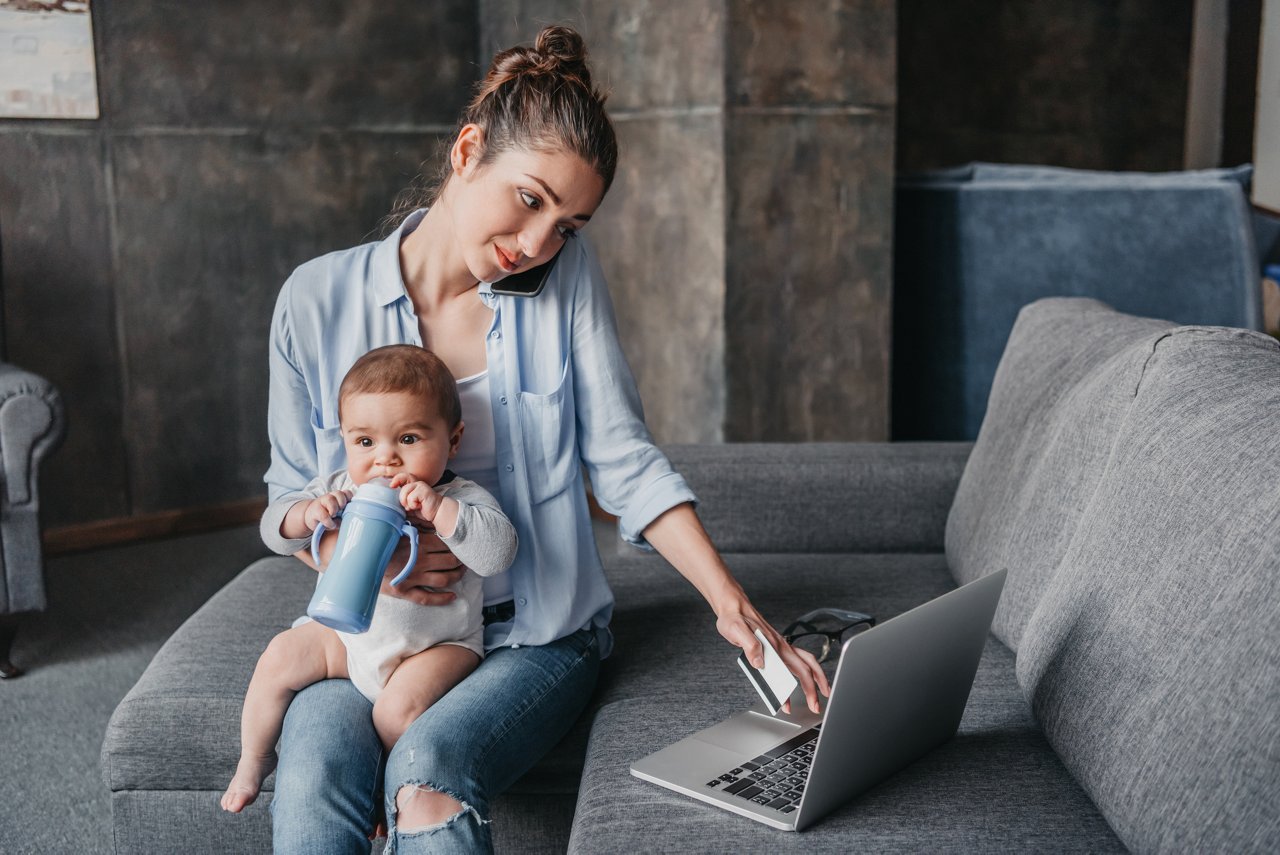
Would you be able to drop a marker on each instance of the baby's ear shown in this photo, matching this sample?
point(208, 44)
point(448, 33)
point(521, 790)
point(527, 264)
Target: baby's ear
point(455, 439)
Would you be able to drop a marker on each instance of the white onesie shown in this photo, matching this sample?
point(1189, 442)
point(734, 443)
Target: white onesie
point(484, 540)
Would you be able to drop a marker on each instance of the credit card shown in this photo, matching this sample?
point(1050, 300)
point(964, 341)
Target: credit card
point(774, 681)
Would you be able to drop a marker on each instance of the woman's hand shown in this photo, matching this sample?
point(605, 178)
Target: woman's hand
point(738, 625)
point(437, 568)
point(680, 538)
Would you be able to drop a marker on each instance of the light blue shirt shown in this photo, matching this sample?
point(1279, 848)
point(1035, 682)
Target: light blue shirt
point(562, 396)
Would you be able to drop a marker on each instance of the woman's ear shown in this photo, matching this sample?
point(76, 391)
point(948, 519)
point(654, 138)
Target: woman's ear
point(467, 149)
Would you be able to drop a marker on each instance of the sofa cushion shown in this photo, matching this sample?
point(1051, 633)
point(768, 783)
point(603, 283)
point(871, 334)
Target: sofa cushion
point(1153, 658)
point(997, 787)
point(668, 652)
point(179, 726)
point(1064, 385)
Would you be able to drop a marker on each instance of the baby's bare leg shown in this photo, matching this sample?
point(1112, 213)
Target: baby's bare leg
point(416, 684)
point(293, 660)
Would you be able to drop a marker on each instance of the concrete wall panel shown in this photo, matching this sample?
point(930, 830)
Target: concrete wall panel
point(808, 277)
point(243, 62)
point(210, 228)
point(59, 311)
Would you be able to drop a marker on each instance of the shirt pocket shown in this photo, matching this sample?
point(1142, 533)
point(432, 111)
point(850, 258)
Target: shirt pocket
point(547, 430)
point(330, 453)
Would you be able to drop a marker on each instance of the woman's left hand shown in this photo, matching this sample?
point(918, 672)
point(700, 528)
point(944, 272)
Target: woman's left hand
point(738, 627)
point(679, 537)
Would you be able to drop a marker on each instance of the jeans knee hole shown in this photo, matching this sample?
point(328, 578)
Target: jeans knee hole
point(463, 809)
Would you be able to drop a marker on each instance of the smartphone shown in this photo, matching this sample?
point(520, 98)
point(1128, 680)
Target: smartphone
point(527, 283)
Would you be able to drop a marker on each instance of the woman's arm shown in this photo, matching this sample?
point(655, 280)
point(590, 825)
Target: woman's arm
point(679, 537)
point(632, 478)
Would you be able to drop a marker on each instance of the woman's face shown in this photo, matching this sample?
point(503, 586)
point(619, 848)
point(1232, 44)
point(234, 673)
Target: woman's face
point(517, 211)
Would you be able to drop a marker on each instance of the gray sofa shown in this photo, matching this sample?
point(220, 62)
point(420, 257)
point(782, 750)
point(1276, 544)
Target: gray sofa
point(1126, 475)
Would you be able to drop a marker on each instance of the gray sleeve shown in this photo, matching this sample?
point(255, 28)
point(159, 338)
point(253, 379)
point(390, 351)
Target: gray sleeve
point(484, 539)
point(274, 515)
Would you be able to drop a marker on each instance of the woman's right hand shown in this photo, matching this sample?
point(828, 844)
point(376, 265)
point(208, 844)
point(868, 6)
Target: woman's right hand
point(436, 569)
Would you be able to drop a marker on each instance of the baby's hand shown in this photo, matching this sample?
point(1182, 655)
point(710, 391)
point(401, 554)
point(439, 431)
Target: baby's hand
point(320, 511)
point(417, 496)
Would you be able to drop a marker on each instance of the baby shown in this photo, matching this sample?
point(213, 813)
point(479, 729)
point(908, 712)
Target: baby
point(401, 418)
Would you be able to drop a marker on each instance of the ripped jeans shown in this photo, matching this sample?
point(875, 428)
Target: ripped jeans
point(474, 743)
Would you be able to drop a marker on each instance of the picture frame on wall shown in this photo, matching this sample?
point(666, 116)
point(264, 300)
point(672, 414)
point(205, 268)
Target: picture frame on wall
point(47, 64)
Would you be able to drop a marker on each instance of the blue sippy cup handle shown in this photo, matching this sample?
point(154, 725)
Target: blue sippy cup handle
point(411, 533)
point(321, 528)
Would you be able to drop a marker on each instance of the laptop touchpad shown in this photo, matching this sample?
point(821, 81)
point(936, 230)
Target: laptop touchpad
point(749, 733)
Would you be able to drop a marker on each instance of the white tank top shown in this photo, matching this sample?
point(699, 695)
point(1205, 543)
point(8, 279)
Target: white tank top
point(477, 460)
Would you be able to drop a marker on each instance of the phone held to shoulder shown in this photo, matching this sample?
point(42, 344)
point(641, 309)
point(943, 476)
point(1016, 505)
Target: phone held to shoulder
point(527, 283)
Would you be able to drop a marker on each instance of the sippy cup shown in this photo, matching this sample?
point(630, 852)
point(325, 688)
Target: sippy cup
point(373, 522)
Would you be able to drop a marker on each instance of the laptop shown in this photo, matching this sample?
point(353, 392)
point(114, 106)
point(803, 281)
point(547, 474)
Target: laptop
point(899, 692)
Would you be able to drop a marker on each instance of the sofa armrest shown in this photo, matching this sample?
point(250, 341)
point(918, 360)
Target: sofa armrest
point(823, 497)
point(31, 425)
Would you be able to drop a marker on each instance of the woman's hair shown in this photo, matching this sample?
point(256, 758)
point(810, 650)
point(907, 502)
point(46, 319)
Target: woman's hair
point(404, 368)
point(533, 98)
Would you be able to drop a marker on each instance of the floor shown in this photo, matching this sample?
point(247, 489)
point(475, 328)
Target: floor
point(109, 612)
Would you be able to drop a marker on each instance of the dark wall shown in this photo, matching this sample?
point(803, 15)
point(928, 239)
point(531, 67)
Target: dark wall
point(660, 230)
point(747, 236)
point(812, 99)
point(143, 251)
point(1093, 84)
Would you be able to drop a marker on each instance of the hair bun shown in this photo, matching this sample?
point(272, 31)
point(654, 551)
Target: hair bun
point(558, 52)
point(561, 49)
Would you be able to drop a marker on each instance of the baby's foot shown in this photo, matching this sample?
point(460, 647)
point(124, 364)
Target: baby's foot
point(251, 771)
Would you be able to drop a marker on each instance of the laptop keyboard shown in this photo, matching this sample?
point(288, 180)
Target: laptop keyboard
point(776, 778)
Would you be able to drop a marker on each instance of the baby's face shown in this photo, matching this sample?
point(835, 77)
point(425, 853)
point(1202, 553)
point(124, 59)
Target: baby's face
point(386, 433)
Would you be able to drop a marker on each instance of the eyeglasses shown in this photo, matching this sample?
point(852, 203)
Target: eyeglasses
point(821, 629)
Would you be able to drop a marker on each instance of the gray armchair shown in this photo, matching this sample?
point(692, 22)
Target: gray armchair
point(31, 426)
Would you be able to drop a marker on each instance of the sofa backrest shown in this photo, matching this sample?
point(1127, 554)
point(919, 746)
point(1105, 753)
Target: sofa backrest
point(1152, 659)
point(823, 496)
point(1064, 384)
point(1128, 476)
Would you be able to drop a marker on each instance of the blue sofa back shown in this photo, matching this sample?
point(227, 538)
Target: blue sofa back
point(973, 245)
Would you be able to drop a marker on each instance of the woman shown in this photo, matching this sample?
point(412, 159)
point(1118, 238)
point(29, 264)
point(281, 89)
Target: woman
point(545, 388)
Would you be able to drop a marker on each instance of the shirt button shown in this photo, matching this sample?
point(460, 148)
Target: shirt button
point(515, 647)
point(495, 334)
point(522, 601)
point(510, 468)
point(503, 400)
